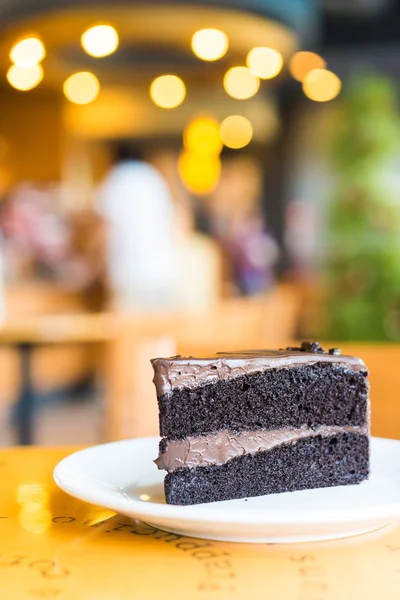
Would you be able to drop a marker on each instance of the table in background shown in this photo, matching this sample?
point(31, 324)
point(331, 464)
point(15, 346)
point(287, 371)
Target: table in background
point(53, 546)
point(29, 333)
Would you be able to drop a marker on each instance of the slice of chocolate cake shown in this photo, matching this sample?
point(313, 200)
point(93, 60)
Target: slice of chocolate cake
point(261, 422)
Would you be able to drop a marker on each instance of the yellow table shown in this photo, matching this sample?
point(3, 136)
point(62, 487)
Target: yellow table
point(53, 546)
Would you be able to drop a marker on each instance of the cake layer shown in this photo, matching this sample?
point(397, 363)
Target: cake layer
point(318, 393)
point(219, 447)
point(309, 463)
point(181, 372)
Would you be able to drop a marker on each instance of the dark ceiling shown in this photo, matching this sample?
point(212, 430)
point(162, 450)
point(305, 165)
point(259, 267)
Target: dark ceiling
point(334, 22)
point(380, 26)
point(362, 40)
point(300, 15)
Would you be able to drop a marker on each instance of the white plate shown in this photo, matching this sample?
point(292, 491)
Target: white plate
point(122, 477)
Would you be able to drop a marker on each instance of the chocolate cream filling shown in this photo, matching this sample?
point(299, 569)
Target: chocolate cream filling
point(219, 447)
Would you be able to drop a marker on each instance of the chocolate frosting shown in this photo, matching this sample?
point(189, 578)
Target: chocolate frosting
point(217, 448)
point(189, 372)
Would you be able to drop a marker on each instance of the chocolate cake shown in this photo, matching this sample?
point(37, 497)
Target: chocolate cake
point(260, 422)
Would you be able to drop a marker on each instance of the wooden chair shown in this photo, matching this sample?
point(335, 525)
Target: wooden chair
point(383, 362)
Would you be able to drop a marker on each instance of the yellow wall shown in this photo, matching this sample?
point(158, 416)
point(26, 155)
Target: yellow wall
point(30, 135)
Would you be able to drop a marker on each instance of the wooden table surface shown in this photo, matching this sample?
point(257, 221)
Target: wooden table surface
point(53, 546)
point(65, 329)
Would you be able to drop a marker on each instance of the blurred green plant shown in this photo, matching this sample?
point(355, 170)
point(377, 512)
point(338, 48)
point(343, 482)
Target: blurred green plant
point(363, 259)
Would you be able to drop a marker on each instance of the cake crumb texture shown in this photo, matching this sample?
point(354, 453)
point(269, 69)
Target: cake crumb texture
point(317, 394)
point(310, 463)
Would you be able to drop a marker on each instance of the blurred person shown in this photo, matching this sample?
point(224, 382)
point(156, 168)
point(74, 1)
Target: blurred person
point(254, 253)
point(136, 203)
point(237, 222)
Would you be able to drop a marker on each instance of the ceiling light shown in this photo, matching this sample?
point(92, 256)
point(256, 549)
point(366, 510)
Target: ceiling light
point(25, 78)
point(303, 62)
point(321, 85)
point(240, 83)
point(202, 136)
point(265, 63)
point(210, 44)
point(82, 88)
point(236, 131)
point(167, 91)
point(200, 173)
point(28, 52)
point(100, 40)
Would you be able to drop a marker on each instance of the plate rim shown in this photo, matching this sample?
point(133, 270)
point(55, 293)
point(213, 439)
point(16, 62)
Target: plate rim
point(258, 516)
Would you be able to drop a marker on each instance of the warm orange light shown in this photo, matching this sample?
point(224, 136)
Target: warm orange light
point(240, 83)
point(25, 78)
point(210, 44)
point(264, 62)
point(199, 172)
point(236, 131)
point(303, 62)
point(202, 136)
point(321, 85)
point(100, 40)
point(82, 88)
point(28, 52)
point(168, 91)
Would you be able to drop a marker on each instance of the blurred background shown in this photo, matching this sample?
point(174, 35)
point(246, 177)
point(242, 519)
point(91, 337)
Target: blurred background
point(189, 177)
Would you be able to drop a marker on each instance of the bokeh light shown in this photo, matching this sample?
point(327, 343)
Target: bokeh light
point(264, 62)
point(202, 136)
point(167, 91)
point(82, 88)
point(200, 173)
point(32, 492)
point(34, 515)
point(303, 62)
point(24, 78)
point(240, 83)
point(321, 85)
point(210, 44)
point(28, 52)
point(100, 40)
point(236, 131)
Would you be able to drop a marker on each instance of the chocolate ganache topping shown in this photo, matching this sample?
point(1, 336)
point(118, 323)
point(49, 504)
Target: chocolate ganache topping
point(189, 372)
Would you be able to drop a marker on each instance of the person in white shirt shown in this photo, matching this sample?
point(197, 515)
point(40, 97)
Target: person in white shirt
point(136, 203)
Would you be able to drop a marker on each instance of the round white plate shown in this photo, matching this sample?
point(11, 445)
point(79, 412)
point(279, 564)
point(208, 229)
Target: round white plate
point(122, 476)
